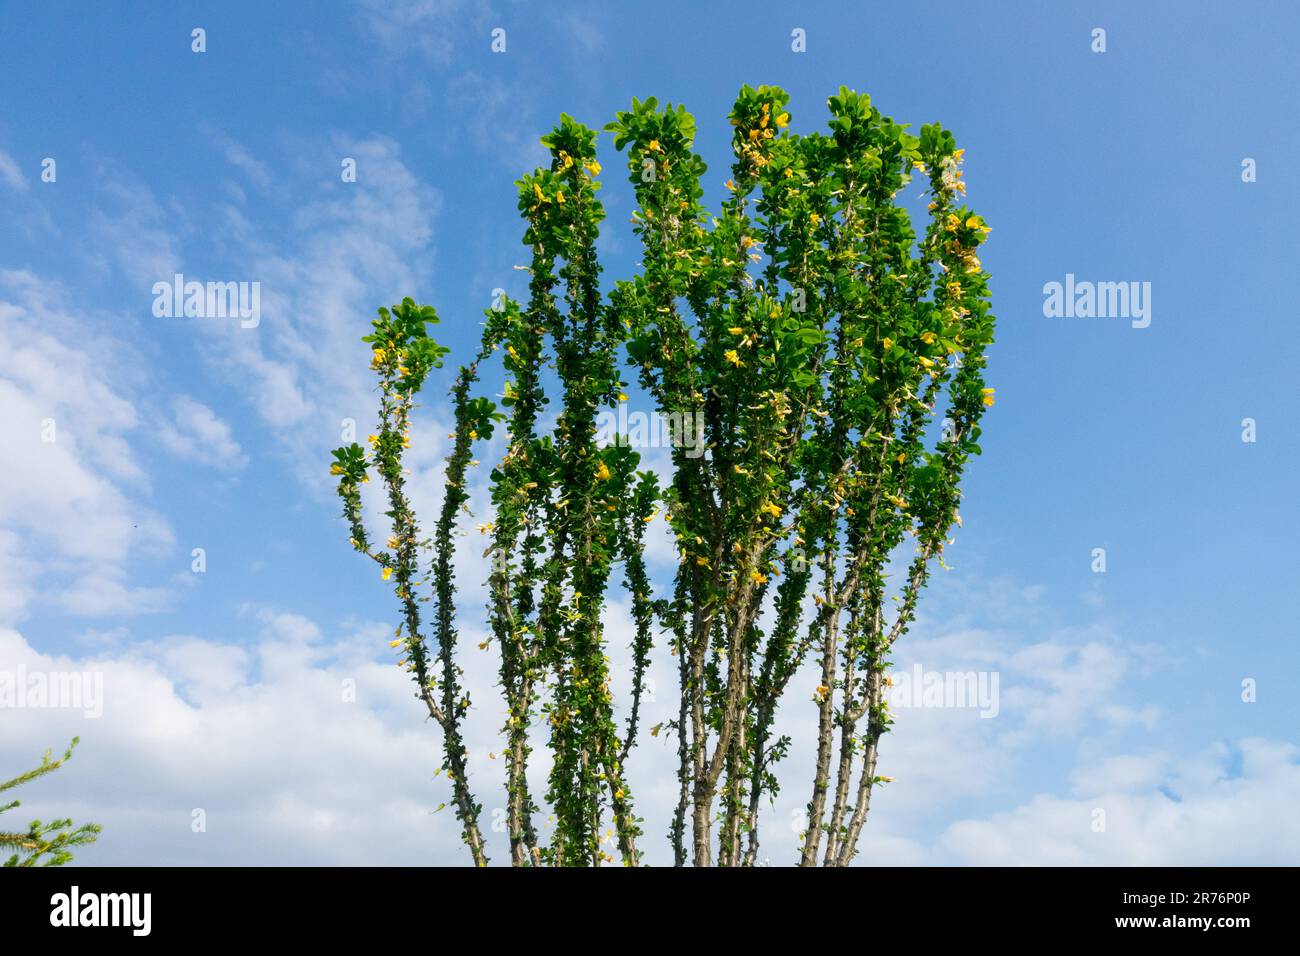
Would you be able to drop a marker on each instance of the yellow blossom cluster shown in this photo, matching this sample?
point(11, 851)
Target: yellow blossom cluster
point(751, 142)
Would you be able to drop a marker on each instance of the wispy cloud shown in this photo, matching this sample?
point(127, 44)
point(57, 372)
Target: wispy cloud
point(69, 468)
point(419, 26)
point(196, 433)
point(10, 173)
point(243, 159)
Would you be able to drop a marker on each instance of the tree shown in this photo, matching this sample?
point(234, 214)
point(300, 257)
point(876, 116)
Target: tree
point(44, 844)
point(833, 361)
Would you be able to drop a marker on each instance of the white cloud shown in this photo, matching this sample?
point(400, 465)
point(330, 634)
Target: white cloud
point(17, 578)
point(587, 36)
point(239, 157)
point(350, 248)
point(139, 234)
point(497, 118)
point(257, 733)
point(11, 174)
point(67, 521)
point(1210, 819)
point(196, 433)
point(417, 26)
point(261, 739)
point(1068, 680)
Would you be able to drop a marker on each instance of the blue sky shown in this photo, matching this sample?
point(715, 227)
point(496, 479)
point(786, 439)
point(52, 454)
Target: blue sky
point(1120, 690)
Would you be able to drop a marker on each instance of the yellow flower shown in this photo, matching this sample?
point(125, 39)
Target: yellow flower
point(736, 330)
point(902, 457)
point(928, 337)
point(973, 222)
point(886, 779)
point(772, 509)
point(593, 167)
point(622, 396)
point(379, 355)
point(336, 469)
point(917, 164)
point(559, 197)
point(888, 343)
point(783, 120)
point(473, 434)
point(653, 146)
point(537, 191)
point(730, 185)
point(403, 370)
point(386, 573)
point(988, 395)
point(757, 578)
point(732, 356)
point(603, 472)
point(373, 439)
point(925, 362)
point(566, 159)
point(396, 643)
point(958, 154)
point(815, 219)
point(618, 794)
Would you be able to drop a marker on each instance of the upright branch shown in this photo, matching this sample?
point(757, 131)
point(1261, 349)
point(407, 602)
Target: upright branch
point(595, 502)
point(402, 357)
